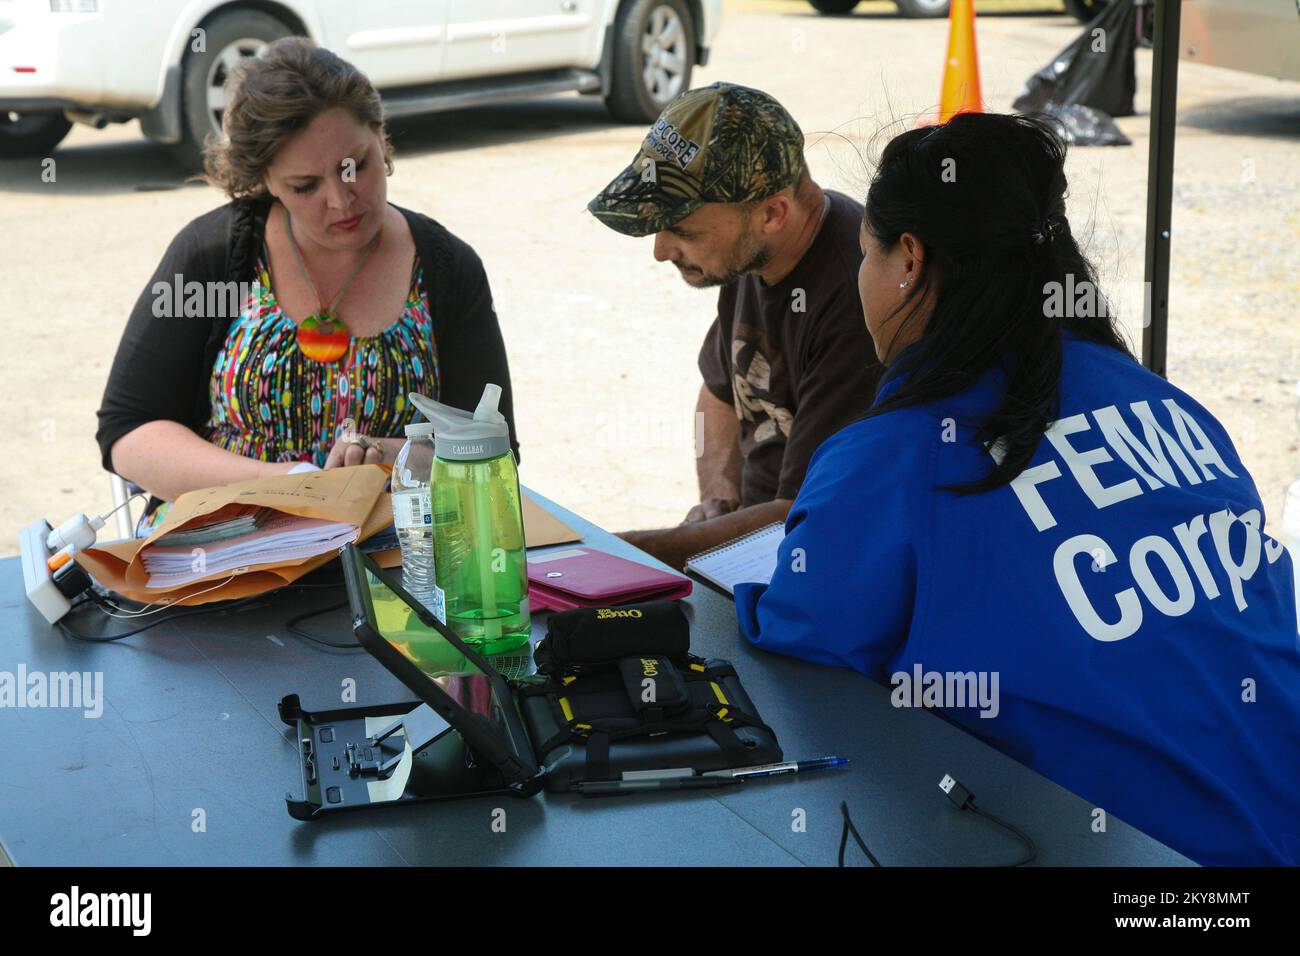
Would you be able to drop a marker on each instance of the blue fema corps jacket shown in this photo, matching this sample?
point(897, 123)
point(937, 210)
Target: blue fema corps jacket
point(1141, 628)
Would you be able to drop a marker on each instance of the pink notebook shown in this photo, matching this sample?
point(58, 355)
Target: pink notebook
point(583, 577)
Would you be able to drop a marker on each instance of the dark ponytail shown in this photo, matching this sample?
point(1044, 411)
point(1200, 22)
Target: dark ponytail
point(985, 194)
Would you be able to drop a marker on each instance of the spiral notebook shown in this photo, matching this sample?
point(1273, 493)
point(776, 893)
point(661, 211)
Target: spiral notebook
point(751, 557)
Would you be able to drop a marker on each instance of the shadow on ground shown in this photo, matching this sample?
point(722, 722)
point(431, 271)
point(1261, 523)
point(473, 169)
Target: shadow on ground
point(1273, 116)
point(119, 166)
point(139, 165)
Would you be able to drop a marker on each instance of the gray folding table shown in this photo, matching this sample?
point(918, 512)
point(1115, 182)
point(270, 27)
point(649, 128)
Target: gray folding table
point(189, 763)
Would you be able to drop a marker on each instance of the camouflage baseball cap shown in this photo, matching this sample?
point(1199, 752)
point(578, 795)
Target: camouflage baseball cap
point(720, 143)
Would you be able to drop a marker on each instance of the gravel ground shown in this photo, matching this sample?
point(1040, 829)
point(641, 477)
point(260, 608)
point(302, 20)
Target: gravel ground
point(602, 339)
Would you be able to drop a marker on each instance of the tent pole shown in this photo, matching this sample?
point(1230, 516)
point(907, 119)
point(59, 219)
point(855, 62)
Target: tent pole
point(1160, 182)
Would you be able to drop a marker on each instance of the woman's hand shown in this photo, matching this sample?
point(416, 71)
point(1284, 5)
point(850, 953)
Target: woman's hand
point(353, 448)
point(356, 449)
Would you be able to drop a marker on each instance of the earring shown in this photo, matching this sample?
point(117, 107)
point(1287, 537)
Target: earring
point(903, 284)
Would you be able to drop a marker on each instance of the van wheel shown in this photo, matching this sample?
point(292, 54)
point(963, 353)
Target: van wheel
point(24, 135)
point(654, 54)
point(228, 38)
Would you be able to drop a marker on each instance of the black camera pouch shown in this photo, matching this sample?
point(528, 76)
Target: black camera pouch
point(580, 639)
point(654, 687)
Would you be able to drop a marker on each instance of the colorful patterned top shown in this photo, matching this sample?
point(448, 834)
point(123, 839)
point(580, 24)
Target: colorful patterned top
point(273, 403)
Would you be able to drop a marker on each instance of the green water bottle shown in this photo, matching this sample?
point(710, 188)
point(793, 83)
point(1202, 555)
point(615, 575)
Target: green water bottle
point(478, 524)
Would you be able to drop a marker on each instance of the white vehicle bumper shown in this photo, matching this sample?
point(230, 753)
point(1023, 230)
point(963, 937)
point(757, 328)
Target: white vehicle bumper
point(58, 61)
point(712, 10)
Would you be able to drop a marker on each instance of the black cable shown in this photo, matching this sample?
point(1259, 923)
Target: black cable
point(162, 619)
point(963, 799)
point(93, 597)
point(292, 627)
point(1033, 850)
point(844, 836)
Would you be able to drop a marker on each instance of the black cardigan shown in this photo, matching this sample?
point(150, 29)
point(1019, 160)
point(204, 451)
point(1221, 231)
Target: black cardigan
point(163, 365)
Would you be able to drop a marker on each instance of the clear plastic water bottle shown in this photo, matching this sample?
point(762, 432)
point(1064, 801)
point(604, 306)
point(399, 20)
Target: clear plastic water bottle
point(413, 517)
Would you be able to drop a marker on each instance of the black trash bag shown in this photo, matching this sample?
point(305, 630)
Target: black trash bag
point(1104, 79)
point(1085, 126)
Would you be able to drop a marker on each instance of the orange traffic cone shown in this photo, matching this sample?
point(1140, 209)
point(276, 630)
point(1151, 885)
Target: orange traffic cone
point(961, 70)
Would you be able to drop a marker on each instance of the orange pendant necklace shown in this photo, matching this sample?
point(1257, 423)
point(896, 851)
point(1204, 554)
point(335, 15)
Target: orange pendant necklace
point(322, 336)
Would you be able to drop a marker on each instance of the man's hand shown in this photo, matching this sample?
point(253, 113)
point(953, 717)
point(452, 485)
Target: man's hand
point(673, 546)
point(711, 508)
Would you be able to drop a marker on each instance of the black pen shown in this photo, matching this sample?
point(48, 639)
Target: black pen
point(597, 787)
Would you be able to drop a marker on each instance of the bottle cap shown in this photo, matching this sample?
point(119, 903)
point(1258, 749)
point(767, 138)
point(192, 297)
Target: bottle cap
point(464, 436)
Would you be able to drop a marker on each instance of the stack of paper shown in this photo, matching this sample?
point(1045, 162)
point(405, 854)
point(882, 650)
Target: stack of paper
point(219, 529)
point(271, 537)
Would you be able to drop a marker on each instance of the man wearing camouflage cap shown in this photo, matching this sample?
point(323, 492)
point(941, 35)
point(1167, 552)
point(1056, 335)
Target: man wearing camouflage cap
point(721, 183)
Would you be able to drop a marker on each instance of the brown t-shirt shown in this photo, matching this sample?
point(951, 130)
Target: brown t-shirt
point(794, 358)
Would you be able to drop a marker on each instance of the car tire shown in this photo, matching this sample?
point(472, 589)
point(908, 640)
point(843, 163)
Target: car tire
point(25, 135)
point(921, 9)
point(1084, 10)
point(243, 32)
point(653, 57)
point(833, 6)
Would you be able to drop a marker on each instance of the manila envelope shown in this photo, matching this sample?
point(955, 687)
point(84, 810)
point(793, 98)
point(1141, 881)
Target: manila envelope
point(337, 494)
point(541, 528)
point(354, 495)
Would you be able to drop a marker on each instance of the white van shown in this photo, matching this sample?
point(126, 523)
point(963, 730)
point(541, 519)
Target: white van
point(165, 62)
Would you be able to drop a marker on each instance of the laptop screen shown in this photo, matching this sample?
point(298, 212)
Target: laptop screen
point(441, 661)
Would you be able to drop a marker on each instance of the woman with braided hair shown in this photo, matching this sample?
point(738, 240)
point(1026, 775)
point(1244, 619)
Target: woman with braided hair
point(284, 330)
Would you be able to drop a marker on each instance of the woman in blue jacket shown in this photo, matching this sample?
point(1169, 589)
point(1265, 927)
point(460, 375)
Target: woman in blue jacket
point(1026, 502)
